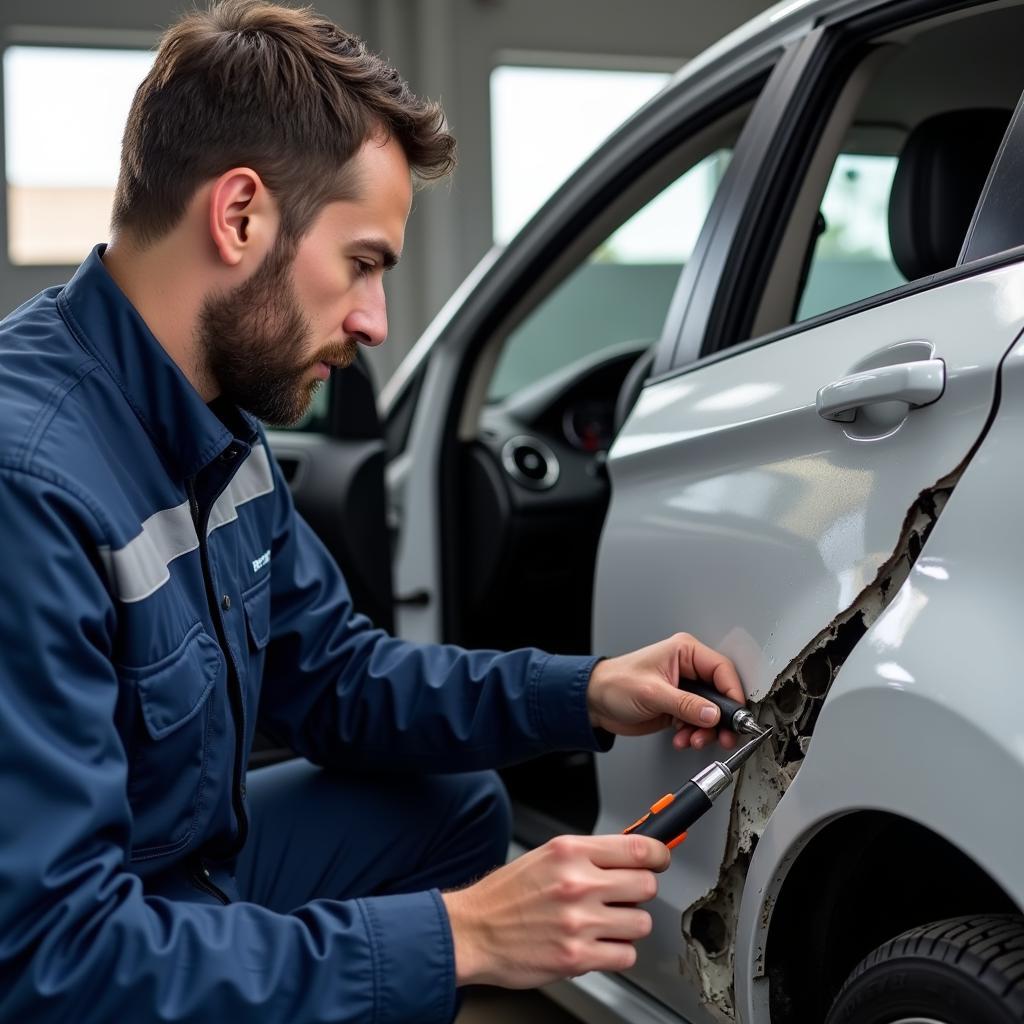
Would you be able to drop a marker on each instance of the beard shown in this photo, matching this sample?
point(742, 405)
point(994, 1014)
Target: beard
point(252, 340)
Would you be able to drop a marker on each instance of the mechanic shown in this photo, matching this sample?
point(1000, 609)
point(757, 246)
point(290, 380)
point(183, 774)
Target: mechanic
point(163, 599)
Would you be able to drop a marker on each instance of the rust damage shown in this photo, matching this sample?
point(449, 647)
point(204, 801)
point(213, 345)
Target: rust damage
point(792, 705)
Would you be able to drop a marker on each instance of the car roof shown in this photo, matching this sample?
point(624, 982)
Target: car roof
point(788, 18)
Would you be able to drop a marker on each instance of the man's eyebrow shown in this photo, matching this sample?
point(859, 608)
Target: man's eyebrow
point(388, 257)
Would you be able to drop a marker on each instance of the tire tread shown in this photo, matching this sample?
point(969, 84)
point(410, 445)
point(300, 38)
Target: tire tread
point(989, 949)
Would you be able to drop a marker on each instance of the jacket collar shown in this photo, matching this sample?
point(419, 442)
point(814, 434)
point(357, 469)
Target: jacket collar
point(187, 432)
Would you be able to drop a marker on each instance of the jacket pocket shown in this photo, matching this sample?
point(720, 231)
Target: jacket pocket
point(167, 767)
point(256, 601)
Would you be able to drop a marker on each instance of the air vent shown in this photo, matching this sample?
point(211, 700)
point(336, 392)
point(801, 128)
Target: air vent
point(530, 462)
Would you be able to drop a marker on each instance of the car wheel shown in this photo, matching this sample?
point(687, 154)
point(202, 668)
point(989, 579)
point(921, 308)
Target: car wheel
point(965, 970)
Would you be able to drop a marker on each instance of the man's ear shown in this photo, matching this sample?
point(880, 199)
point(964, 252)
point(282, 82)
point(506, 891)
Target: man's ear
point(243, 216)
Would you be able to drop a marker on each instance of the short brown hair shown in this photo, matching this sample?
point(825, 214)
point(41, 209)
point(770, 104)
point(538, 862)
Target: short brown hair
point(279, 89)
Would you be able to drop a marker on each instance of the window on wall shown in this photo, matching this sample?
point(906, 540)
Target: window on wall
point(545, 122)
point(64, 112)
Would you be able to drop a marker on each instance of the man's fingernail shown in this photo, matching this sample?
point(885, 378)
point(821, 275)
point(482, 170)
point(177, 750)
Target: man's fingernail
point(709, 715)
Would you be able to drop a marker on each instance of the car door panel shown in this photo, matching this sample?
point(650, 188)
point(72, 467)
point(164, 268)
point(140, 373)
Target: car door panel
point(743, 516)
point(338, 487)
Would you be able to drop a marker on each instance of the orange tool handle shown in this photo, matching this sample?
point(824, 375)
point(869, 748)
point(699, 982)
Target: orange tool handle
point(669, 819)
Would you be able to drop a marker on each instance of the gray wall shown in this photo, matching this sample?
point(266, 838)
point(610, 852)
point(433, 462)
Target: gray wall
point(446, 49)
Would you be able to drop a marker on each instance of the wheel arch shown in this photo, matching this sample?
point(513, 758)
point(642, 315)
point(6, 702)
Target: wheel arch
point(860, 880)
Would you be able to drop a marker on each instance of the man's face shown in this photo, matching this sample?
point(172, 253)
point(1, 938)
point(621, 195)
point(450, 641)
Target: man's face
point(270, 343)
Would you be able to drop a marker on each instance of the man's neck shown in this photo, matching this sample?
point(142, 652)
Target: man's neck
point(159, 285)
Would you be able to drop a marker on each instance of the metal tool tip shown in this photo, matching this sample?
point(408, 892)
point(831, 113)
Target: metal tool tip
point(741, 755)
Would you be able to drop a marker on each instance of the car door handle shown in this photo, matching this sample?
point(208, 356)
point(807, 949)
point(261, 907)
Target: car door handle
point(918, 383)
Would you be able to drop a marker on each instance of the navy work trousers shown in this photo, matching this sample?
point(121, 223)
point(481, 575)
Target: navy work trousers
point(321, 834)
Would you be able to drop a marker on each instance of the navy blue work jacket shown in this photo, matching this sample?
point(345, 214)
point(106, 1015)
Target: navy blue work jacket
point(161, 599)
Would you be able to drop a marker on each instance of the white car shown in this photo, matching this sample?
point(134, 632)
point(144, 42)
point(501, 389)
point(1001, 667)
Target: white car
point(799, 439)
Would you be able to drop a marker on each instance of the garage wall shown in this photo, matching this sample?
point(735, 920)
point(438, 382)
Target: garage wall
point(446, 49)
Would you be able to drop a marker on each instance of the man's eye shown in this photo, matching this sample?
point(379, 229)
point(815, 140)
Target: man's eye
point(363, 268)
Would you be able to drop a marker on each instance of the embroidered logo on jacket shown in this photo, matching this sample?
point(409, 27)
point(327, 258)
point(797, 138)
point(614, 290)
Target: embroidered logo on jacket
point(259, 563)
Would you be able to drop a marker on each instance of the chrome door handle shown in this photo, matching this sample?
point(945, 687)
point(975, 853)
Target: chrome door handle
point(917, 383)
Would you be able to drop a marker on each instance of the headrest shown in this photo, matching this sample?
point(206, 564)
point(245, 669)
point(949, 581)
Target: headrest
point(938, 181)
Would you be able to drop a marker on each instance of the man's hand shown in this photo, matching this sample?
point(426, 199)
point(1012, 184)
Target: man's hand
point(638, 693)
point(556, 912)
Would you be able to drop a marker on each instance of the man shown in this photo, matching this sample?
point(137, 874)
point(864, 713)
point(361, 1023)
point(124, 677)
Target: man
point(162, 599)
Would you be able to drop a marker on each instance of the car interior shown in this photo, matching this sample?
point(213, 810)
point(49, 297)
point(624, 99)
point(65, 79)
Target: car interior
point(916, 125)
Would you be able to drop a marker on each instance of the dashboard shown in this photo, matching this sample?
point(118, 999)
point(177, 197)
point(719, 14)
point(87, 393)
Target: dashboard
point(552, 436)
point(588, 425)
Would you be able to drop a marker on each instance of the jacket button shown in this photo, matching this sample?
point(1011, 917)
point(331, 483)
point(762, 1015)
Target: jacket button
point(225, 603)
point(229, 455)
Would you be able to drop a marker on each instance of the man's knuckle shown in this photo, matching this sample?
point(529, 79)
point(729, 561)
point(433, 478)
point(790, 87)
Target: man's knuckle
point(569, 888)
point(688, 703)
point(562, 847)
point(637, 849)
point(572, 923)
point(570, 955)
point(649, 887)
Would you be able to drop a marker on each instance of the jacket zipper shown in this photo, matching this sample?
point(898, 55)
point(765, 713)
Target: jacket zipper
point(234, 684)
point(201, 880)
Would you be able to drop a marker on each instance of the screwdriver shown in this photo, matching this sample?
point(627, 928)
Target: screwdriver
point(734, 715)
point(670, 817)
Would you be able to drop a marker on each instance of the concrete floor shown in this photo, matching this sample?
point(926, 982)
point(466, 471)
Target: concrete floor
point(501, 1006)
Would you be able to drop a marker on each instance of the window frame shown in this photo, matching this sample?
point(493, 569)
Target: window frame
point(833, 51)
point(731, 220)
point(999, 216)
point(546, 250)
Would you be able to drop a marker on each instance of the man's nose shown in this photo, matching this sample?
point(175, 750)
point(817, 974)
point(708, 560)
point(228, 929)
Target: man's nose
point(368, 322)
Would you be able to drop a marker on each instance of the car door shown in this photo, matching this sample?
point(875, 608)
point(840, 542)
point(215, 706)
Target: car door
point(766, 498)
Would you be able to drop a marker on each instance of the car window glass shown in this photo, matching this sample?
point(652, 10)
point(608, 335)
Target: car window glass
point(852, 255)
point(621, 292)
point(889, 192)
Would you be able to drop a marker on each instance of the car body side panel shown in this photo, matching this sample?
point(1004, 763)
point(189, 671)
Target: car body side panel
point(924, 719)
point(741, 516)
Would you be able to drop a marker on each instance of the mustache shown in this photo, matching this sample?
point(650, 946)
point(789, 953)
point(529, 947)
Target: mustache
point(340, 353)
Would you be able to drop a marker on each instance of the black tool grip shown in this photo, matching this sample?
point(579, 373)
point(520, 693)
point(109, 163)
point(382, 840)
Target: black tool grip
point(674, 819)
point(726, 705)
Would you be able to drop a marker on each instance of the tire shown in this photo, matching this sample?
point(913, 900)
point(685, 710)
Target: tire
point(965, 970)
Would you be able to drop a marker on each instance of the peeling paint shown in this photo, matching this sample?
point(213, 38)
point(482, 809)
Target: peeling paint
point(792, 706)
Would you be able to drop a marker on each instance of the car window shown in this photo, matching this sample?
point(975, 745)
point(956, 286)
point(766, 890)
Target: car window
point(888, 194)
point(852, 256)
point(621, 291)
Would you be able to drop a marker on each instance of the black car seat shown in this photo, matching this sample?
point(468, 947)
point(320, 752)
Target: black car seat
point(941, 171)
